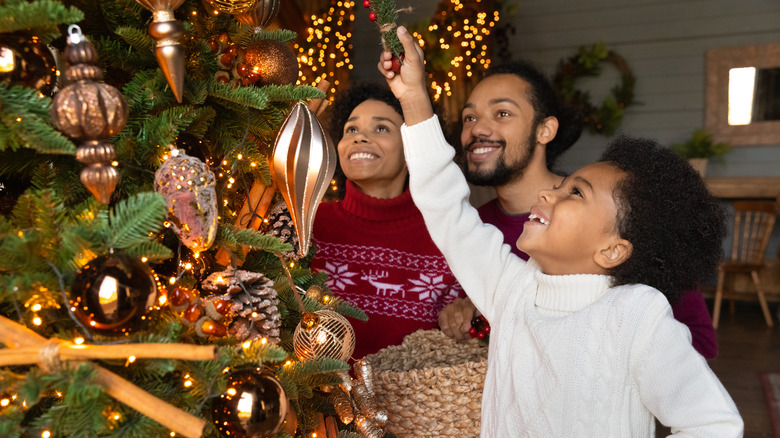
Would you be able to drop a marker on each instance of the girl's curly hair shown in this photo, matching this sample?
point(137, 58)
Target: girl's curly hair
point(675, 225)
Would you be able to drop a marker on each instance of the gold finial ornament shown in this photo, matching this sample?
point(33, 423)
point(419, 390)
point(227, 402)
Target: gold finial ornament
point(260, 15)
point(304, 161)
point(91, 112)
point(168, 32)
point(231, 6)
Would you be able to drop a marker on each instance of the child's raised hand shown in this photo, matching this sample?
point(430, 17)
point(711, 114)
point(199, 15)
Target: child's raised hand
point(408, 84)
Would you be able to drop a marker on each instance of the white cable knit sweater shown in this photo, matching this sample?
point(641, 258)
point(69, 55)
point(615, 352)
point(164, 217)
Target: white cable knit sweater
point(569, 356)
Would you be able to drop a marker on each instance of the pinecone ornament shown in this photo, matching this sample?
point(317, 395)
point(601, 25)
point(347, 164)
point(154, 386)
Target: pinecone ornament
point(280, 224)
point(252, 311)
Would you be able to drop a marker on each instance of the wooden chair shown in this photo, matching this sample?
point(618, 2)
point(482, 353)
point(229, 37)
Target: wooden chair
point(753, 223)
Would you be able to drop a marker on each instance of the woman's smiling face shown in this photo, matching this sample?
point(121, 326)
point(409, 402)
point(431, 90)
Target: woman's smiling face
point(570, 224)
point(371, 149)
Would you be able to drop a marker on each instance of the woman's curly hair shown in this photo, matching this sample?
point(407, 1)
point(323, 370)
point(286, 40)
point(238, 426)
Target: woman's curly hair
point(356, 94)
point(675, 225)
point(339, 113)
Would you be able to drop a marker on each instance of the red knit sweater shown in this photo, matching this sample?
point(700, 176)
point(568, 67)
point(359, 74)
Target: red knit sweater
point(378, 255)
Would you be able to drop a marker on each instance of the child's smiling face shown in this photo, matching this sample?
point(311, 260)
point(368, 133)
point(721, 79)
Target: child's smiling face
point(573, 227)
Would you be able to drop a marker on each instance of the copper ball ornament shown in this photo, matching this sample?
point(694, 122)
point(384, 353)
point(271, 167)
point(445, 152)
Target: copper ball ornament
point(114, 295)
point(274, 61)
point(25, 61)
point(254, 405)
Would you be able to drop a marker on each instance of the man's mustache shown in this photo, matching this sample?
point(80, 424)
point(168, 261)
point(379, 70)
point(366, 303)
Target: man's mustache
point(483, 141)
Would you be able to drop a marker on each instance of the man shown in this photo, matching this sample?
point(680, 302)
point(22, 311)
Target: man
point(514, 129)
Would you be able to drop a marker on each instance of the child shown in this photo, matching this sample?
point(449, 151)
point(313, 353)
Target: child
point(581, 344)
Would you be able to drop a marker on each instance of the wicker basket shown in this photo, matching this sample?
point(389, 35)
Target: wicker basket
point(430, 385)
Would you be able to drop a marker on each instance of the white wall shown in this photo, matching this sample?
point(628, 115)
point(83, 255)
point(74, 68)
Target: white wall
point(665, 43)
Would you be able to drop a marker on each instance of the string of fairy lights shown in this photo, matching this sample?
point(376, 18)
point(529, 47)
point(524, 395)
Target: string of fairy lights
point(326, 51)
point(462, 32)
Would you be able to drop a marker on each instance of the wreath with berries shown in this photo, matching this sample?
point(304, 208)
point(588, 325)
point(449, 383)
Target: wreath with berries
point(606, 118)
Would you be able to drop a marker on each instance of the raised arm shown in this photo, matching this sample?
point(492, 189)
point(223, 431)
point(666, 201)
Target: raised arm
point(483, 265)
point(408, 84)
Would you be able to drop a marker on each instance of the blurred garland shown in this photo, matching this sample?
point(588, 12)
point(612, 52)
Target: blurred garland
point(604, 119)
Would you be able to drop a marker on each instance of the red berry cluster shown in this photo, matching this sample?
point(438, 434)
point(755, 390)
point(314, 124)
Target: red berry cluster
point(230, 58)
point(372, 14)
point(480, 328)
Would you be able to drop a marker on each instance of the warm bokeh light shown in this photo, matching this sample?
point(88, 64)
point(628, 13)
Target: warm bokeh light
point(462, 35)
point(326, 52)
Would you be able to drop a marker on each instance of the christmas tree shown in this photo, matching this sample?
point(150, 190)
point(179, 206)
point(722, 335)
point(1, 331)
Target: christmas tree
point(142, 293)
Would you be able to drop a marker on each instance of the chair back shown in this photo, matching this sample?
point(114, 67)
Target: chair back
point(753, 223)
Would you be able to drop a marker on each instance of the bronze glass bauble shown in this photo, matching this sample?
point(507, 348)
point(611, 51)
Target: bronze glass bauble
point(26, 61)
point(114, 295)
point(253, 406)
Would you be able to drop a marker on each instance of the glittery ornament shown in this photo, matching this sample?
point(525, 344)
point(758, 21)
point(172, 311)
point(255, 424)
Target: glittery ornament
point(245, 302)
point(114, 294)
point(331, 335)
point(188, 187)
point(231, 6)
point(26, 61)
point(91, 112)
point(168, 32)
point(260, 15)
point(254, 405)
point(273, 61)
point(314, 292)
point(304, 161)
point(355, 400)
point(341, 402)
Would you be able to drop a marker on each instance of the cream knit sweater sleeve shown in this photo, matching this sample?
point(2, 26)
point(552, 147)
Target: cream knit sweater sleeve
point(443, 197)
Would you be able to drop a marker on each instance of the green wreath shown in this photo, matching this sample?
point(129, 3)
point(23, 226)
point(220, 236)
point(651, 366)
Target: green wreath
point(604, 119)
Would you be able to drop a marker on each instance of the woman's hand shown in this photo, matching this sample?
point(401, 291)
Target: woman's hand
point(455, 319)
point(408, 84)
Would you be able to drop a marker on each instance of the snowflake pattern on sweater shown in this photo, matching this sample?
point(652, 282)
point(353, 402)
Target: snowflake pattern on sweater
point(386, 279)
point(378, 255)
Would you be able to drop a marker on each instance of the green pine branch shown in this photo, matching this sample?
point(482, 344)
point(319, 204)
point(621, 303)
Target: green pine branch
point(346, 308)
point(282, 35)
point(163, 128)
point(233, 238)
point(386, 16)
point(25, 122)
point(139, 39)
point(40, 17)
point(134, 219)
point(297, 376)
point(287, 93)
point(243, 96)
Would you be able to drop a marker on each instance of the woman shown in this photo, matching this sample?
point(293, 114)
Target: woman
point(373, 244)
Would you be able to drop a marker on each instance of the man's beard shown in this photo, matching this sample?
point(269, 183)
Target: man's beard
point(502, 173)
